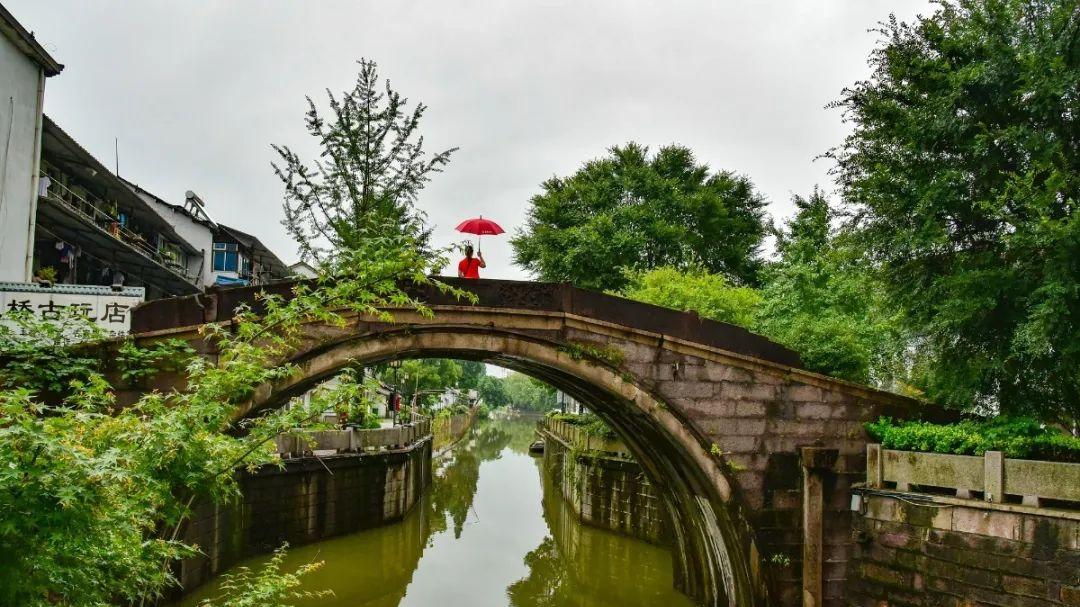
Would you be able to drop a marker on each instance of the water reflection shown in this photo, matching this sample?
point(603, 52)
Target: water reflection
point(487, 533)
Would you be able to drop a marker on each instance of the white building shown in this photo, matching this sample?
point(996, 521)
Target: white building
point(227, 256)
point(73, 233)
point(24, 65)
point(302, 269)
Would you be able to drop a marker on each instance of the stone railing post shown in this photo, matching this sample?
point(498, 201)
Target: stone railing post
point(874, 469)
point(994, 476)
point(816, 462)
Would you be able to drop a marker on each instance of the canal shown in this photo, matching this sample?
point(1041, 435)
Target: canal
point(491, 531)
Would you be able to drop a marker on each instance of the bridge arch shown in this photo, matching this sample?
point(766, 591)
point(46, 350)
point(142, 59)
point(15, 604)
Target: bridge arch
point(677, 388)
point(714, 555)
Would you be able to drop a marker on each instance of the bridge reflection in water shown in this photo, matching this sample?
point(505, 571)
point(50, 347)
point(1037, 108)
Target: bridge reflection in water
point(492, 531)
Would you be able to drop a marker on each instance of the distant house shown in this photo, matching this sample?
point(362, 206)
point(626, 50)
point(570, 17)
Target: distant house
point(24, 66)
point(228, 256)
point(302, 269)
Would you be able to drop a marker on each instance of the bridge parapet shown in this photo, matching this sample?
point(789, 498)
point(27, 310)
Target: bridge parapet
point(997, 478)
point(220, 305)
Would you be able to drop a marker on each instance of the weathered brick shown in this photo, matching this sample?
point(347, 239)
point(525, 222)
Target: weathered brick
point(748, 391)
point(687, 389)
point(726, 373)
point(1027, 586)
point(803, 428)
point(802, 393)
point(815, 410)
point(738, 444)
point(749, 409)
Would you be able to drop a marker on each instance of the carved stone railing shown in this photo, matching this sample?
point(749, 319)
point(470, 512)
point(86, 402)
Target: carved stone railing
point(992, 475)
point(576, 437)
point(351, 440)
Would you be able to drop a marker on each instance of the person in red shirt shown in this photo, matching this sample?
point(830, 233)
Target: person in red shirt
point(470, 266)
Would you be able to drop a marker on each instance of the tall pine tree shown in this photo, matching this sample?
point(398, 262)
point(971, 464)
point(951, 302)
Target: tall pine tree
point(370, 170)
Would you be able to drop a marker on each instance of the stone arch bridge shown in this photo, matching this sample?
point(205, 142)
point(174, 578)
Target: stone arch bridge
point(752, 454)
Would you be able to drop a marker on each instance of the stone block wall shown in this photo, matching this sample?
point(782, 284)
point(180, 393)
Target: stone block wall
point(307, 501)
point(945, 552)
point(608, 493)
point(759, 418)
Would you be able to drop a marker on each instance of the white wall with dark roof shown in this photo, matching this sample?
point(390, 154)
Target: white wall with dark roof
point(20, 116)
point(197, 234)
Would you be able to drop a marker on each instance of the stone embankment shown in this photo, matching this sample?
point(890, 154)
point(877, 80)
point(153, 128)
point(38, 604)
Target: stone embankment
point(601, 482)
point(935, 529)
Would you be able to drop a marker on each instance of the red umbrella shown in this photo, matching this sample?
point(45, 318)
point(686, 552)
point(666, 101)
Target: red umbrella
point(480, 227)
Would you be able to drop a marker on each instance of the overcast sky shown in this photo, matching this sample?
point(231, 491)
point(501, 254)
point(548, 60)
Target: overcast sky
point(197, 92)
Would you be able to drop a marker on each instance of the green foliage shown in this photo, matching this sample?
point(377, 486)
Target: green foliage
point(818, 298)
point(39, 356)
point(370, 171)
point(963, 179)
point(524, 392)
point(589, 423)
point(472, 373)
point(492, 391)
point(780, 560)
point(821, 300)
point(695, 290)
point(424, 378)
point(92, 496)
point(632, 211)
point(1022, 437)
point(137, 362)
point(265, 587)
point(483, 411)
point(351, 393)
point(609, 355)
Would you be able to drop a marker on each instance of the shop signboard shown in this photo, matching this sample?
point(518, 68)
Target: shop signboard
point(109, 307)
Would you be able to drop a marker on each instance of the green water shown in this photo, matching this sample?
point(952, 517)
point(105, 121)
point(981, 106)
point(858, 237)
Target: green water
point(490, 532)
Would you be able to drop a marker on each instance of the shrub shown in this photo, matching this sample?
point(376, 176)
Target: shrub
point(1020, 437)
point(588, 422)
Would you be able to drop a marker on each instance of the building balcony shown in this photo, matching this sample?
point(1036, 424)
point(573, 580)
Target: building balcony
point(73, 215)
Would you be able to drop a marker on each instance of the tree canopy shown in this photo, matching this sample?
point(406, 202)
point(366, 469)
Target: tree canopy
point(961, 176)
point(371, 168)
point(634, 211)
point(821, 300)
point(710, 295)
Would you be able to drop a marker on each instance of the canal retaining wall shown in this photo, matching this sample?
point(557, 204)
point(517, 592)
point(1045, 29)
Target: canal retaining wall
point(307, 500)
point(941, 551)
point(941, 529)
point(605, 491)
point(448, 430)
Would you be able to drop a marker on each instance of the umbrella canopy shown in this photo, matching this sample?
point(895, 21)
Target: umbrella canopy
point(480, 227)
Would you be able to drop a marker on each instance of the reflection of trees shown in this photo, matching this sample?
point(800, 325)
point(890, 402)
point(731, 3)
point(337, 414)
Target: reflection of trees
point(544, 585)
point(457, 474)
point(582, 566)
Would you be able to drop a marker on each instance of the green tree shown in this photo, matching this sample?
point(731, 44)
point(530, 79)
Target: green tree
point(371, 168)
point(962, 176)
point(425, 378)
point(472, 372)
point(493, 391)
point(709, 295)
point(818, 298)
point(821, 300)
point(93, 495)
point(524, 392)
point(633, 211)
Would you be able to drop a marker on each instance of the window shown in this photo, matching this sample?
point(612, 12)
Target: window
point(226, 257)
